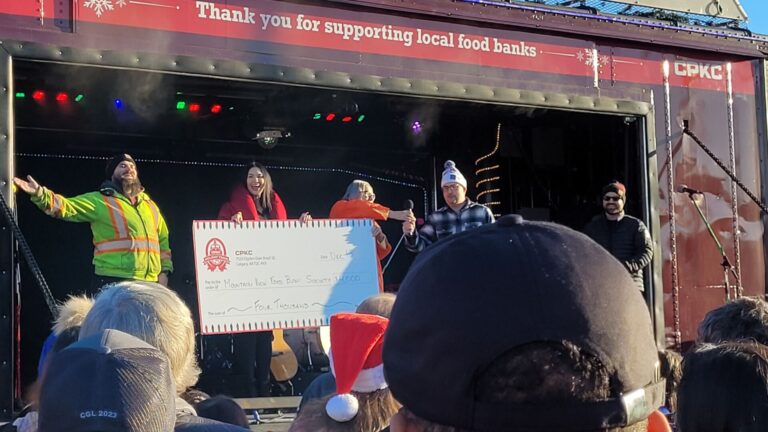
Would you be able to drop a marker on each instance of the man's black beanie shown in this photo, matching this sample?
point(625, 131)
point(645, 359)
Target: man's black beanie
point(112, 164)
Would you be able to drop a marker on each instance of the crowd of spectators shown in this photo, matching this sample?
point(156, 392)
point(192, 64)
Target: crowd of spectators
point(513, 326)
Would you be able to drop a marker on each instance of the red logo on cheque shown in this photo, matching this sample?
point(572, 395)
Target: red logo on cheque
point(216, 255)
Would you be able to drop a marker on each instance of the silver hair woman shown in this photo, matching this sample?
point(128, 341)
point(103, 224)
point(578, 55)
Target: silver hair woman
point(359, 189)
point(154, 314)
point(359, 202)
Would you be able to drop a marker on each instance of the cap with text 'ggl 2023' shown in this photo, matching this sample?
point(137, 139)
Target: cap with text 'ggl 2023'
point(107, 382)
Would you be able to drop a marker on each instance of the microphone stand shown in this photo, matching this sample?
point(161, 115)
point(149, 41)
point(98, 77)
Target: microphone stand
point(392, 255)
point(726, 264)
point(408, 206)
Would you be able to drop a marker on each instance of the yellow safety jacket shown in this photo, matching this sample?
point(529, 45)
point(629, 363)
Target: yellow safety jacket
point(130, 240)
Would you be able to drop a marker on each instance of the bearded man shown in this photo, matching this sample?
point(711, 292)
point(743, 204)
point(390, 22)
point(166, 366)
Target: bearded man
point(624, 236)
point(130, 237)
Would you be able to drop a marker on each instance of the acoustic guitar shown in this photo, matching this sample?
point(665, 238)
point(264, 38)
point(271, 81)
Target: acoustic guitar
point(284, 364)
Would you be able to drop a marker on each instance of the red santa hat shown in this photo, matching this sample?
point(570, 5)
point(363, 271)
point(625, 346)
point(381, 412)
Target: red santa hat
point(356, 344)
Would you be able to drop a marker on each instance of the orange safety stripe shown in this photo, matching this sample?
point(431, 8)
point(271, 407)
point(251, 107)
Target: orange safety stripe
point(127, 245)
point(111, 214)
point(149, 239)
point(155, 214)
point(123, 219)
point(56, 206)
point(98, 252)
point(119, 223)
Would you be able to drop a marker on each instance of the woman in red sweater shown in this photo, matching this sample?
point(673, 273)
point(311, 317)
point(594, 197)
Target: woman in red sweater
point(255, 199)
point(358, 202)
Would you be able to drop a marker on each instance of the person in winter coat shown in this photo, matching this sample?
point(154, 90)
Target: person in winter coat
point(130, 237)
point(358, 202)
point(624, 236)
point(458, 215)
point(252, 200)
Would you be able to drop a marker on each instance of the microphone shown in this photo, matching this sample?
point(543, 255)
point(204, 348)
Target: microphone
point(692, 191)
point(408, 204)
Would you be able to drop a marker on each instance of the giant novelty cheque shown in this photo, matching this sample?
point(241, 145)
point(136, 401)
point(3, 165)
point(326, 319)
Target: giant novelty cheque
point(261, 275)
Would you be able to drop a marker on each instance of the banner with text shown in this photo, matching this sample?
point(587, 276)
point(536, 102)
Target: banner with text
point(267, 27)
point(262, 275)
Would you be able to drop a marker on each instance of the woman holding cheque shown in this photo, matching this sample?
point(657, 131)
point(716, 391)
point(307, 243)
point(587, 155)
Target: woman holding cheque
point(252, 200)
point(358, 202)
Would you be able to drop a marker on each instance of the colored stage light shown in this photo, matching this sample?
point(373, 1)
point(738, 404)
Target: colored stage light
point(317, 116)
point(194, 107)
point(118, 104)
point(330, 117)
point(216, 108)
point(180, 105)
point(346, 119)
point(38, 95)
point(21, 95)
point(416, 127)
point(79, 97)
point(62, 97)
point(360, 118)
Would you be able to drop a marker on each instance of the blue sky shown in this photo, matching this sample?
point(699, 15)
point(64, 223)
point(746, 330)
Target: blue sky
point(757, 10)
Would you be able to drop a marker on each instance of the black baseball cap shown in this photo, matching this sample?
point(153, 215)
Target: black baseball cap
point(474, 296)
point(107, 382)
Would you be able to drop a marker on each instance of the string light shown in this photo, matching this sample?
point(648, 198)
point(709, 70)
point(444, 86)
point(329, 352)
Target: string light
point(489, 178)
point(355, 174)
point(481, 170)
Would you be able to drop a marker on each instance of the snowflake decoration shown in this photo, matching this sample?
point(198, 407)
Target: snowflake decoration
point(587, 56)
point(101, 6)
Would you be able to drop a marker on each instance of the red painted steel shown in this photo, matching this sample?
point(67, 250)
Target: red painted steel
point(294, 34)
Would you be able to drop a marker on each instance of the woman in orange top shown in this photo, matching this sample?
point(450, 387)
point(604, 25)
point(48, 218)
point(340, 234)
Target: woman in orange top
point(359, 203)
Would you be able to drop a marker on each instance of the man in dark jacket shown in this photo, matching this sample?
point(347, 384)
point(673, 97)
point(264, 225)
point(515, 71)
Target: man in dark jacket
point(624, 236)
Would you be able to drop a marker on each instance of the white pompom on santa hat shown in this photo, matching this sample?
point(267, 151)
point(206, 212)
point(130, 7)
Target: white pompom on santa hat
point(356, 344)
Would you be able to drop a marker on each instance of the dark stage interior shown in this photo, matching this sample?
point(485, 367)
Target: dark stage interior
point(551, 163)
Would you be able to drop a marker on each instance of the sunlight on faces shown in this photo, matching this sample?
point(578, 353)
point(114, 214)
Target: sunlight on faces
point(125, 170)
point(255, 181)
point(613, 203)
point(368, 194)
point(454, 193)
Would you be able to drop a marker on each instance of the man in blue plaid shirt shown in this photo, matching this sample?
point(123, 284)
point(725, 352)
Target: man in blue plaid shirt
point(459, 215)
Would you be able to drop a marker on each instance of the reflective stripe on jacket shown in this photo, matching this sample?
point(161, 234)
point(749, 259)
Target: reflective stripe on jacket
point(130, 241)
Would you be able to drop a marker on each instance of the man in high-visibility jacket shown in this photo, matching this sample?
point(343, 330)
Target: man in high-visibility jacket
point(130, 237)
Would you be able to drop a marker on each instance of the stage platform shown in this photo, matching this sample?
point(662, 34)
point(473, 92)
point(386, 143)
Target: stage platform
point(276, 413)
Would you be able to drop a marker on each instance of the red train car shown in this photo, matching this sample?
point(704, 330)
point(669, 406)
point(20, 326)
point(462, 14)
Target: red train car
point(538, 105)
